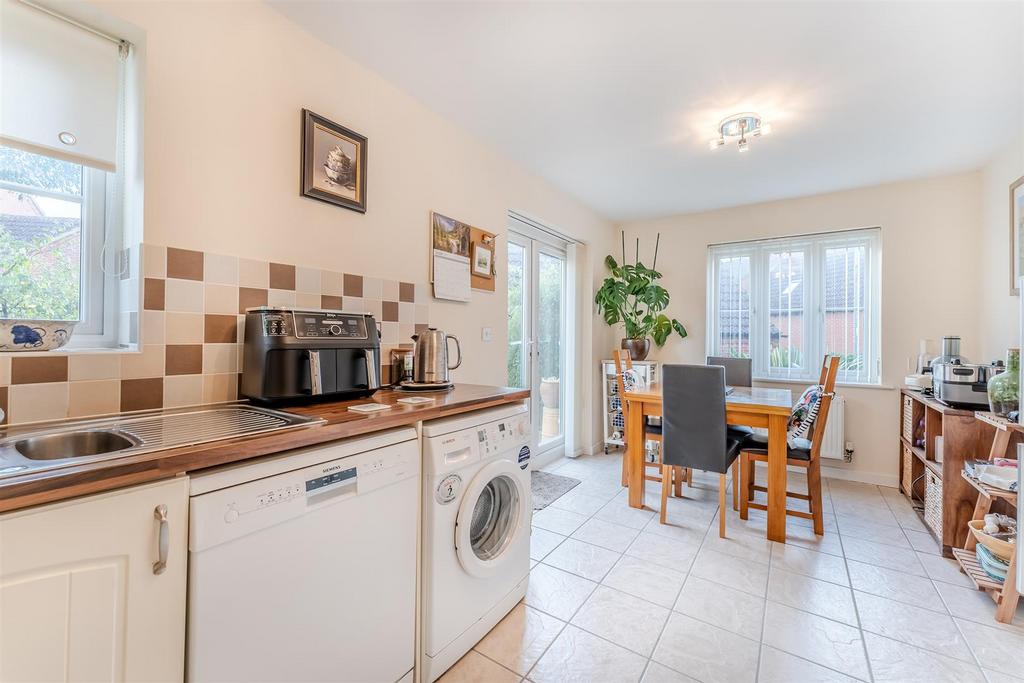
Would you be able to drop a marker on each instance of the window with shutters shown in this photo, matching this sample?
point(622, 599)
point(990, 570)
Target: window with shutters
point(785, 303)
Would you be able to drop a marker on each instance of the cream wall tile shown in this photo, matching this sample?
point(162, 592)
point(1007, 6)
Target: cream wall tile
point(253, 274)
point(154, 261)
point(280, 297)
point(83, 366)
point(373, 307)
point(220, 358)
point(146, 363)
point(389, 333)
point(307, 280)
point(422, 315)
point(422, 293)
point(407, 313)
point(100, 397)
point(183, 328)
point(221, 299)
point(373, 288)
point(390, 290)
point(307, 300)
point(405, 333)
point(183, 295)
point(353, 304)
point(152, 327)
point(220, 388)
point(220, 269)
point(183, 390)
point(35, 402)
point(5, 370)
point(331, 283)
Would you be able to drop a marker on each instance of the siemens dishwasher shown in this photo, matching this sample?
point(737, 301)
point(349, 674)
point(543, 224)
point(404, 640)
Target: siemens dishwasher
point(302, 566)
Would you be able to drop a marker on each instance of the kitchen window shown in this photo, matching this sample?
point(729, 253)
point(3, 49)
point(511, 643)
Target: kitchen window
point(785, 303)
point(62, 151)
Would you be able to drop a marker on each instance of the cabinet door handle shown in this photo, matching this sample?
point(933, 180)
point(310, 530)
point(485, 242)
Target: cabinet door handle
point(163, 539)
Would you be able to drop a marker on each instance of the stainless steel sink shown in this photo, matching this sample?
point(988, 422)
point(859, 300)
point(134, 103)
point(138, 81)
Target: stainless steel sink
point(74, 443)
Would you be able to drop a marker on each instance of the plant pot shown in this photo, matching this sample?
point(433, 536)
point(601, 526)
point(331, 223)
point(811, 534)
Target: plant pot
point(638, 348)
point(550, 392)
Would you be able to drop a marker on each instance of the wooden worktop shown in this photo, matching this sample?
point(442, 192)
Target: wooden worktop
point(68, 482)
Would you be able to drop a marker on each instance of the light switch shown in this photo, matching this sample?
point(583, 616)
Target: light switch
point(486, 334)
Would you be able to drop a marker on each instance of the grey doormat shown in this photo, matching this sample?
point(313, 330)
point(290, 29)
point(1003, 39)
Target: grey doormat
point(548, 487)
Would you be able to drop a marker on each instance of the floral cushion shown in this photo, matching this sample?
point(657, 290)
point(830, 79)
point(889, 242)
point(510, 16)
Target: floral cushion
point(801, 420)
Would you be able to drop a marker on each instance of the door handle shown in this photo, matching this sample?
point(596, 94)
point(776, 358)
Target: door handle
point(163, 538)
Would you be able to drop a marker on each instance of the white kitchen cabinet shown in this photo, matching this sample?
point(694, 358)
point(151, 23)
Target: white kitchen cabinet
point(80, 597)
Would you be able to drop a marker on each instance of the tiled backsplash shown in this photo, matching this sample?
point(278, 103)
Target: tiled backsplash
point(191, 327)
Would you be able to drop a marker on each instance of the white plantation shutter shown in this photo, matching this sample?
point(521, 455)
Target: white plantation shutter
point(57, 77)
point(787, 302)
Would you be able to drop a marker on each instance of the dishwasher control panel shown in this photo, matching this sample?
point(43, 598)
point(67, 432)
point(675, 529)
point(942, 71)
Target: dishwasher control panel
point(238, 510)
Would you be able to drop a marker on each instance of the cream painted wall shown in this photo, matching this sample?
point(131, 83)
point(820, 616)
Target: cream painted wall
point(931, 260)
point(1000, 311)
point(225, 85)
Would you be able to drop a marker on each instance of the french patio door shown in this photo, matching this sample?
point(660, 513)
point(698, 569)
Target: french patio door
point(537, 326)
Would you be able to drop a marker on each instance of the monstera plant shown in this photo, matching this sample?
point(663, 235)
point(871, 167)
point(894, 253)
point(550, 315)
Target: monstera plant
point(632, 296)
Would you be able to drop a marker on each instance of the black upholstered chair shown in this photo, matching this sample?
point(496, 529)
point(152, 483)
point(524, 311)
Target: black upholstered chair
point(737, 370)
point(694, 432)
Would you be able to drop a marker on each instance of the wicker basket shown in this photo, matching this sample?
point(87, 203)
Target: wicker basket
point(908, 470)
point(933, 502)
point(908, 419)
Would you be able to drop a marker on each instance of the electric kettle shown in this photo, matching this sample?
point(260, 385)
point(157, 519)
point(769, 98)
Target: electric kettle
point(430, 357)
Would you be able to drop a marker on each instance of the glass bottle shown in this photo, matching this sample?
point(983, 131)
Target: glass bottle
point(1004, 388)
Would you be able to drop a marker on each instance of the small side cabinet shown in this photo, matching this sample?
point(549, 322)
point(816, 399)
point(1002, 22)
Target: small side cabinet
point(94, 588)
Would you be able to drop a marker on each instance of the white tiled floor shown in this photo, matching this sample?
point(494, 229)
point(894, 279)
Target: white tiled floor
point(615, 596)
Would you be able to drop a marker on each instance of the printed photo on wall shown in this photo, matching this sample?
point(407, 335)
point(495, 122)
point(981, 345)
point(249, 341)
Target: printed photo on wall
point(483, 257)
point(1016, 234)
point(450, 235)
point(333, 163)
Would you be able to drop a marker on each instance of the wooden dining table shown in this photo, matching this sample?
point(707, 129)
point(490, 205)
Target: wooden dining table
point(749, 406)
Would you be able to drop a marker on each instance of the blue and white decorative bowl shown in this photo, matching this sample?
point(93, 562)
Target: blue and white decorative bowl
point(35, 335)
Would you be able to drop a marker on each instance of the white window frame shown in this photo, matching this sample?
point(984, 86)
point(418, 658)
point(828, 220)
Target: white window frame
point(813, 338)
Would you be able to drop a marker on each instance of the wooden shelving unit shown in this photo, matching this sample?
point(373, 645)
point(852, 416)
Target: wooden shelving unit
point(966, 435)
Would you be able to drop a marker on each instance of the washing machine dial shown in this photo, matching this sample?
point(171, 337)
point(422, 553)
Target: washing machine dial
point(448, 489)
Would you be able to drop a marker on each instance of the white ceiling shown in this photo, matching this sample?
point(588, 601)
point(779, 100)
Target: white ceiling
point(615, 102)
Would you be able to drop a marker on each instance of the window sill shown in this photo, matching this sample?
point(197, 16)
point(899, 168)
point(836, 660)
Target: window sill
point(806, 382)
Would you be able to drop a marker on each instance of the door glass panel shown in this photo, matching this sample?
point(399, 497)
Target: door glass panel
point(733, 307)
point(494, 518)
point(517, 369)
point(550, 336)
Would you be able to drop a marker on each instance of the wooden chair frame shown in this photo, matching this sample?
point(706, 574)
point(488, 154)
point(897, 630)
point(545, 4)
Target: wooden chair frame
point(827, 379)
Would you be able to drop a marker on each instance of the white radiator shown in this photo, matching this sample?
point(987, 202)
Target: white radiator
point(833, 444)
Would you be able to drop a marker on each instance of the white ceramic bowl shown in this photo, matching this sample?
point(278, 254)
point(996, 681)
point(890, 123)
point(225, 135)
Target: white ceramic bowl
point(35, 335)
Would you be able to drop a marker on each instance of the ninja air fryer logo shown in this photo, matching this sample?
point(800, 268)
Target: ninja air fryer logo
point(524, 457)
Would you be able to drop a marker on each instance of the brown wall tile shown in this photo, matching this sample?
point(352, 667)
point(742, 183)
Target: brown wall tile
point(421, 328)
point(389, 311)
point(153, 294)
point(38, 369)
point(142, 394)
point(185, 264)
point(282, 276)
point(251, 298)
point(353, 285)
point(327, 301)
point(407, 292)
point(183, 359)
point(4, 405)
point(221, 329)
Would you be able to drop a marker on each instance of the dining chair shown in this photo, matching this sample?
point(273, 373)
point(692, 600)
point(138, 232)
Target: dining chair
point(805, 453)
point(738, 373)
point(694, 431)
point(652, 431)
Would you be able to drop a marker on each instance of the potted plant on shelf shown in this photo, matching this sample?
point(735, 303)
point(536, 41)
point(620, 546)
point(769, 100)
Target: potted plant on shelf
point(631, 295)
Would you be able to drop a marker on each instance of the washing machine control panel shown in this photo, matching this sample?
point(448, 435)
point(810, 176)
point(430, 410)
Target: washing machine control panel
point(498, 436)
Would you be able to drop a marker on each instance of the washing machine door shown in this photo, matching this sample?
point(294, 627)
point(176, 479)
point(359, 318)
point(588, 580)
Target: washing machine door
point(492, 516)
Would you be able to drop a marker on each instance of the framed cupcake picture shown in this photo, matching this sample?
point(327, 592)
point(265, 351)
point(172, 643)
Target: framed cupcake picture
point(333, 163)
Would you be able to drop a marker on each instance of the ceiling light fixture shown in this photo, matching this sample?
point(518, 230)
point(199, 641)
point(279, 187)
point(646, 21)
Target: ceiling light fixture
point(740, 126)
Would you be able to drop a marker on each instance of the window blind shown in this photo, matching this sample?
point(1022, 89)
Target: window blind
point(60, 87)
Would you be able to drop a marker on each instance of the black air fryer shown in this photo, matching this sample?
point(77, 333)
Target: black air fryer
point(294, 354)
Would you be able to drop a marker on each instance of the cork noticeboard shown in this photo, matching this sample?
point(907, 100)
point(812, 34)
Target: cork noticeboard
point(478, 236)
